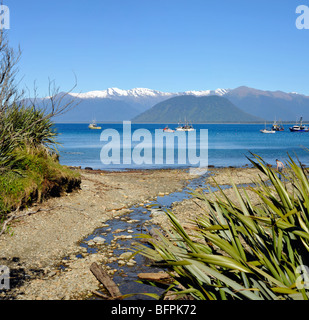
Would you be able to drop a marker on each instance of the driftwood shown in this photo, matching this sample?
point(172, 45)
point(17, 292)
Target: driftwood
point(105, 279)
point(101, 295)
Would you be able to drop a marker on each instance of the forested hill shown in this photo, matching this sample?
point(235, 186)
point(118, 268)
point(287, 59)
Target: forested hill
point(195, 109)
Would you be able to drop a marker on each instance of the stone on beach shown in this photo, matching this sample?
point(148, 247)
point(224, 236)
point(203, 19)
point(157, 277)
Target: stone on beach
point(125, 256)
point(98, 240)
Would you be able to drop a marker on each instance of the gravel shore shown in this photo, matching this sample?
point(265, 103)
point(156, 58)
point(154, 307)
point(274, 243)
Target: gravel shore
point(36, 244)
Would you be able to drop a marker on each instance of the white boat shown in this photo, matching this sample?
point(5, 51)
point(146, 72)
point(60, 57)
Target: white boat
point(185, 127)
point(93, 125)
point(267, 130)
point(167, 129)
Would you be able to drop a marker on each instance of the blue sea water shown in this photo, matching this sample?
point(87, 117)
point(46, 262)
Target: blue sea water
point(228, 145)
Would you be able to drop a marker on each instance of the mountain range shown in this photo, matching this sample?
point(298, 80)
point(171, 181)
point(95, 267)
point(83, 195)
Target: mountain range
point(116, 105)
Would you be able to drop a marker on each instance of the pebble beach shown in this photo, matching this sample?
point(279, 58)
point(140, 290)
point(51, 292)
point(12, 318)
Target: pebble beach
point(37, 244)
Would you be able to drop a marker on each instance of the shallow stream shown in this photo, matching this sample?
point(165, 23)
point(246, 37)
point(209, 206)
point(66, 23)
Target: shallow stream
point(128, 225)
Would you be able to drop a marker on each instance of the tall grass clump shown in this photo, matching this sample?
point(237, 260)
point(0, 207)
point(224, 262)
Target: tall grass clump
point(24, 128)
point(241, 250)
point(29, 167)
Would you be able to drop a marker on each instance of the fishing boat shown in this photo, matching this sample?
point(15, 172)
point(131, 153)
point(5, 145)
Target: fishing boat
point(93, 125)
point(277, 127)
point(185, 127)
point(267, 130)
point(300, 127)
point(167, 129)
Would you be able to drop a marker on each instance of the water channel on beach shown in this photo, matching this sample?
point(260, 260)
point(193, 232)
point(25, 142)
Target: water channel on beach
point(125, 227)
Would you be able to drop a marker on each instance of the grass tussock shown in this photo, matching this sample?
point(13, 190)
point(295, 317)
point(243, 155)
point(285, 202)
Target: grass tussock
point(29, 166)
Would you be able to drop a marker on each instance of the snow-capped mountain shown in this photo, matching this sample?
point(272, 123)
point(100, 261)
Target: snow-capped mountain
point(116, 105)
point(114, 93)
point(142, 98)
point(217, 92)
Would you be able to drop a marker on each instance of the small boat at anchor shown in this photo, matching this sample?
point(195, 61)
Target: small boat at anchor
point(300, 127)
point(267, 130)
point(167, 129)
point(185, 127)
point(93, 125)
point(277, 127)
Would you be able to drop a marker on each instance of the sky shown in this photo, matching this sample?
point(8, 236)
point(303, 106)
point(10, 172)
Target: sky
point(166, 45)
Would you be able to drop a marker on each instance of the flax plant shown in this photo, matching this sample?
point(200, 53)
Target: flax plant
point(241, 251)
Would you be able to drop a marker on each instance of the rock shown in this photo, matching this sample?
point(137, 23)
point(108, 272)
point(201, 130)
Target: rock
point(130, 264)
point(121, 263)
point(98, 240)
point(51, 274)
point(105, 225)
point(132, 221)
point(119, 230)
point(125, 256)
point(154, 276)
point(121, 237)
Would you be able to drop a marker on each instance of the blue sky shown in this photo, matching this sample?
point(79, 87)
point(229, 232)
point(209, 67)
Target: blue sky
point(167, 45)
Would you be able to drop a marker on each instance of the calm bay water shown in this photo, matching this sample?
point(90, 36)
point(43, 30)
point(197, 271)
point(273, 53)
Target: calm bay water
point(228, 145)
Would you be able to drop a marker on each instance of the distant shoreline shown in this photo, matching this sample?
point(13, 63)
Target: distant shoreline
point(120, 122)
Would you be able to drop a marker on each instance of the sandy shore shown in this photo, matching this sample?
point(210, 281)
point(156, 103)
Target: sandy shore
point(39, 242)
